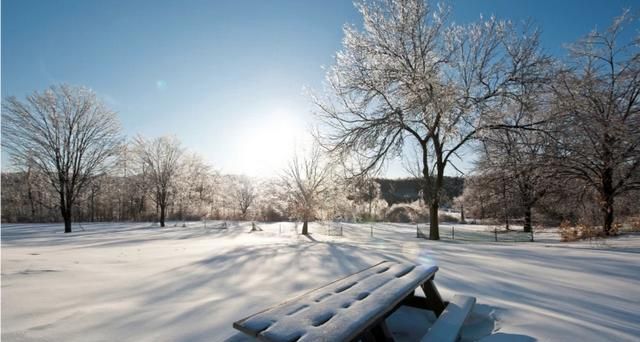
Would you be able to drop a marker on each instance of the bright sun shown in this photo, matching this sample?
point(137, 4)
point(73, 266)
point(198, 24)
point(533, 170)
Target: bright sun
point(267, 144)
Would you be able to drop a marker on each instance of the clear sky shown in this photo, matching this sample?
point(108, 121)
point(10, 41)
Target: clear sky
point(225, 77)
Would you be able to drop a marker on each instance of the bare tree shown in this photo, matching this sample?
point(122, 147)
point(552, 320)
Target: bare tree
point(515, 163)
point(272, 204)
point(306, 180)
point(367, 190)
point(192, 186)
point(159, 162)
point(599, 133)
point(518, 158)
point(410, 77)
point(244, 194)
point(67, 134)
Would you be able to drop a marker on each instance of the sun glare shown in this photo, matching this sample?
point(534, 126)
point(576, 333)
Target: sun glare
point(266, 145)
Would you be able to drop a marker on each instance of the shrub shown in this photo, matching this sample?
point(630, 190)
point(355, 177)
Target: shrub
point(448, 218)
point(586, 231)
point(582, 231)
point(634, 224)
point(568, 232)
point(615, 230)
point(404, 213)
point(273, 214)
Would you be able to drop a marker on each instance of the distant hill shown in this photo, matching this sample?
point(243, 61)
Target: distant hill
point(407, 190)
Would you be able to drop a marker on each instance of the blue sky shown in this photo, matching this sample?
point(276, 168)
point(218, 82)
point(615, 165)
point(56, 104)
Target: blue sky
point(226, 77)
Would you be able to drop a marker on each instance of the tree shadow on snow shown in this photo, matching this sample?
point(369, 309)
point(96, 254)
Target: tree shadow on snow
point(244, 279)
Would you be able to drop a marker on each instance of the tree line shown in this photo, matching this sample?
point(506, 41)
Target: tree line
point(57, 177)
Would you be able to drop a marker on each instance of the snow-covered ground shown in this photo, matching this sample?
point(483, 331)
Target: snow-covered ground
point(138, 282)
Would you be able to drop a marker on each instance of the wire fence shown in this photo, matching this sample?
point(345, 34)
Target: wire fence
point(332, 228)
point(462, 233)
point(384, 230)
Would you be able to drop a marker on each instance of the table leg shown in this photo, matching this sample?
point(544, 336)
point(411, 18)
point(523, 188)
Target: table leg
point(433, 297)
point(382, 333)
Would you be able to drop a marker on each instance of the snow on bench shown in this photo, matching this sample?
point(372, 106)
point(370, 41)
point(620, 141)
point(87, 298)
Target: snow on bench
point(447, 327)
point(347, 309)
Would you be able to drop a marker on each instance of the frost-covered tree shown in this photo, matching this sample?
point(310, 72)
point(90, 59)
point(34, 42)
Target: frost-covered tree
point(131, 189)
point(223, 201)
point(192, 186)
point(306, 180)
point(598, 133)
point(159, 162)
point(26, 195)
point(65, 133)
point(412, 78)
point(366, 190)
point(520, 157)
point(244, 194)
point(516, 165)
point(272, 201)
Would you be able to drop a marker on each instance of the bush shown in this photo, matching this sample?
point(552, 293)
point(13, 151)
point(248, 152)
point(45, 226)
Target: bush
point(272, 214)
point(582, 231)
point(448, 218)
point(568, 232)
point(634, 224)
point(405, 213)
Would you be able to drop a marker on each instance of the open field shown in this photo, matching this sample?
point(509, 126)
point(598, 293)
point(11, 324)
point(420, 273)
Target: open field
point(135, 281)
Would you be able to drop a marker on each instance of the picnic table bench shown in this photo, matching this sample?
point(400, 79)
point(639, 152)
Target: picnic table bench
point(355, 308)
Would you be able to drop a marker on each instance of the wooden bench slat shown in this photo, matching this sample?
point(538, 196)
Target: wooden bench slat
point(341, 310)
point(447, 327)
point(252, 326)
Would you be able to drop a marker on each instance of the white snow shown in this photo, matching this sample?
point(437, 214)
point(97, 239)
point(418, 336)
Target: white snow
point(135, 281)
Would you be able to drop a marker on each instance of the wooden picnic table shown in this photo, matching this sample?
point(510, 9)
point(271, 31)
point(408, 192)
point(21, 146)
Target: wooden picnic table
point(352, 308)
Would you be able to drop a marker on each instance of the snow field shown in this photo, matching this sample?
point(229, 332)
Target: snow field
point(135, 281)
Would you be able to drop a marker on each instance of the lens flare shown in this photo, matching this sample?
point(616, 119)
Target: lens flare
point(161, 84)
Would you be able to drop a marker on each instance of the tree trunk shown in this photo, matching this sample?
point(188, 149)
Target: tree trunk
point(606, 200)
point(305, 227)
point(433, 199)
point(93, 201)
point(431, 192)
point(434, 232)
point(67, 225)
point(66, 216)
point(505, 203)
point(527, 219)
point(162, 214)
point(462, 213)
point(65, 210)
point(607, 211)
point(31, 202)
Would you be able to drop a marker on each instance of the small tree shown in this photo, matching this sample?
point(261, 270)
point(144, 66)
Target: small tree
point(366, 190)
point(244, 194)
point(159, 162)
point(519, 158)
point(66, 134)
point(192, 186)
point(305, 182)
